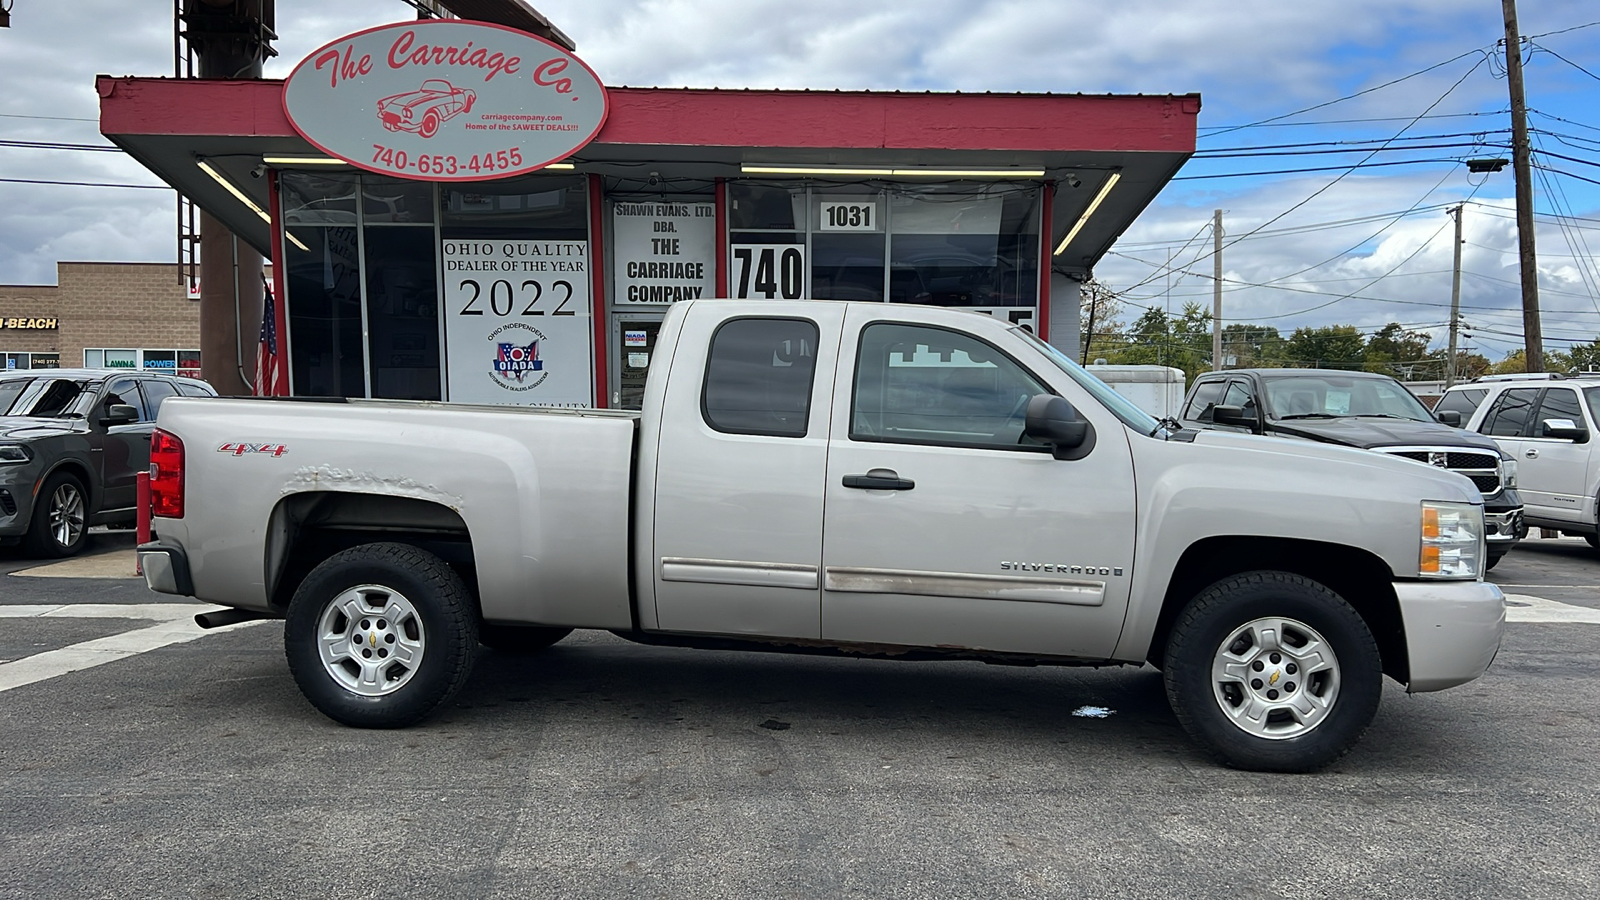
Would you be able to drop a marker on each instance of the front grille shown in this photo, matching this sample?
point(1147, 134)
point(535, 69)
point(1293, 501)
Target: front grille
point(8, 505)
point(1487, 484)
point(1482, 468)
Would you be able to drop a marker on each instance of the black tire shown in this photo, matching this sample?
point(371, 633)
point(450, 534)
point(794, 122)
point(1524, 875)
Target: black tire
point(435, 623)
point(1294, 743)
point(519, 639)
point(54, 497)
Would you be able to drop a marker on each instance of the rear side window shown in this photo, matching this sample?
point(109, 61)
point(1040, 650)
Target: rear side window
point(1509, 415)
point(758, 377)
point(10, 390)
point(155, 393)
point(1464, 402)
point(194, 390)
point(1558, 403)
point(1206, 395)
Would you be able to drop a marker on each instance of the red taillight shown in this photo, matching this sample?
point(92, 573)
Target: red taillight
point(166, 475)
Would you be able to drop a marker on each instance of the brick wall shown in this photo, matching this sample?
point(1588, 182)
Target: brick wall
point(136, 306)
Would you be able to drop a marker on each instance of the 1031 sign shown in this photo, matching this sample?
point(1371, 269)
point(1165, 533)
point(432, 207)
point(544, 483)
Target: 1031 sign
point(769, 271)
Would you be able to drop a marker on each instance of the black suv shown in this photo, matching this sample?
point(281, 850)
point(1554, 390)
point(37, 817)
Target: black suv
point(1367, 411)
point(72, 443)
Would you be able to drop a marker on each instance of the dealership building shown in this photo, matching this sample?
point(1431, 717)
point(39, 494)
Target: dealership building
point(459, 209)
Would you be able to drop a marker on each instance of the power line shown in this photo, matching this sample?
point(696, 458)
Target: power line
point(1346, 169)
point(56, 145)
point(1411, 147)
point(1564, 30)
point(148, 187)
point(49, 118)
point(1567, 61)
point(1219, 129)
point(1483, 52)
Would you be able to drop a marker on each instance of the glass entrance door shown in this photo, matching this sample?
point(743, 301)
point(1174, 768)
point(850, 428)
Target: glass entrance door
point(633, 344)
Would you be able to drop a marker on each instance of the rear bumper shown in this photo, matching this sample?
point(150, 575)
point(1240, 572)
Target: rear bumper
point(166, 569)
point(1453, 630)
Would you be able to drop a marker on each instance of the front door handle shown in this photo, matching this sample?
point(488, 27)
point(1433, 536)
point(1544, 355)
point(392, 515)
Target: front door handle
point(879, 480)
point(1531, 453)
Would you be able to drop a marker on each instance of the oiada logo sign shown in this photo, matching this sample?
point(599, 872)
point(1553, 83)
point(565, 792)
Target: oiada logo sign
point(516, 365)
point(445, 100)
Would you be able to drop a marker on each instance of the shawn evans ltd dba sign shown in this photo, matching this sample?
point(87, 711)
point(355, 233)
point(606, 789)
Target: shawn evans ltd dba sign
point(445, 101)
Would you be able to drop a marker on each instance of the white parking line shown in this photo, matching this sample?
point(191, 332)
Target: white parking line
point(1527, 608)
point(175, 626)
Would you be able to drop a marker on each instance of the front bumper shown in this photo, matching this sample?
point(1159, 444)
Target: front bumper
point(1504, 527)
point(1453, 630)
point(166, 569)
point(16, 503)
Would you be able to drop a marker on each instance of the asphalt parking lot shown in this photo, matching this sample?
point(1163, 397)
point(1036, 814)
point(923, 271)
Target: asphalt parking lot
point(607, 769)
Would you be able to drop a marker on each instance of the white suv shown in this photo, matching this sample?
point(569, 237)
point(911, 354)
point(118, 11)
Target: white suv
point(1549, 425)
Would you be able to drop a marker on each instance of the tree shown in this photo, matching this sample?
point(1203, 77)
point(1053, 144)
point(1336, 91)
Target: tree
point(1584, 357)
point(1329, 347)
point(1156, 338)
point(1402, 354)
point(1246, 346)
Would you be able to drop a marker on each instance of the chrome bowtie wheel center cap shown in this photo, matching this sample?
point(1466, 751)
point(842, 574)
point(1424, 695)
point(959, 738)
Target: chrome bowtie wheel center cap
point(1275, 677)
point(371, 640)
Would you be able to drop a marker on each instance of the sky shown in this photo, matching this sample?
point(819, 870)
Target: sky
point(1361, 246)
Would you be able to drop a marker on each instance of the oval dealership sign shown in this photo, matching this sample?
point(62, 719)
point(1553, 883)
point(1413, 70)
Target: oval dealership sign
point(445, 101)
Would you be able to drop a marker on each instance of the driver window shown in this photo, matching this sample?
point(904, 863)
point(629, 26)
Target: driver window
point(124, 391)
point(922, 385)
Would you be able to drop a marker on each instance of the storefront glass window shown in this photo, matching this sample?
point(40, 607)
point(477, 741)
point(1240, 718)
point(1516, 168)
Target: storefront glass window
point(540, 207)
point(318, 198)
point(847, 243)
point(403, 313)
point(394, 200)
point(121, 359)
point(961, 245)
point(189, 363)
point(161, 360)
point(324, 286)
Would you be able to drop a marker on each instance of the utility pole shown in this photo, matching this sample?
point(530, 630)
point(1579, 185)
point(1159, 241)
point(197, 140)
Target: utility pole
point(1216, 291)
point(1455, 302)
point(1533, 335)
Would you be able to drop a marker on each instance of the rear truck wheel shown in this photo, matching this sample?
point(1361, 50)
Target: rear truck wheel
point(1273, 672)
point(381, 635)
point(60, 518)
point(519, 639)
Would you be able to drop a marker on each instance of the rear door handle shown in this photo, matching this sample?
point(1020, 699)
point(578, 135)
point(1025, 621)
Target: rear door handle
point(879, 480)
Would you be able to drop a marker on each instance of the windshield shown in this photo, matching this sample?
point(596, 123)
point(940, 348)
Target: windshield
point(46, 398)
point(1120, 406)
point(9, 391)
point(1334, 396)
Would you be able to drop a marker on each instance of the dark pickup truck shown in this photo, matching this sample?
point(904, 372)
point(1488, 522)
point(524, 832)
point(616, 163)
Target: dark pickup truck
point(1367, 411)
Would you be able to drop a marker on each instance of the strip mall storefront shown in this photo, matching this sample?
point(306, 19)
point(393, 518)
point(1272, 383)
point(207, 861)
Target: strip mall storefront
point(499, 228)
point(102, 315)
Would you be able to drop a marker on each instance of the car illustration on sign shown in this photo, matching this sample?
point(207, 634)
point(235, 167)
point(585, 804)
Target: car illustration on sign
point(423, 109)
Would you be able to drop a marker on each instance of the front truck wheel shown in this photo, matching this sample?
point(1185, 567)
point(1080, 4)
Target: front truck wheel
point(1272, 671)
point(381, 635)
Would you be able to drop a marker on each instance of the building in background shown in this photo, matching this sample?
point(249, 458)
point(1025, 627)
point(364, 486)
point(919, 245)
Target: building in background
point(102, 315)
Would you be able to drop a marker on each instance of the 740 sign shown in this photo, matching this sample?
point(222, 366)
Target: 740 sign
point(769, 271)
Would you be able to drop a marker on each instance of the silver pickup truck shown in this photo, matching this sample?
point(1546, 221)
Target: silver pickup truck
point(844, 478)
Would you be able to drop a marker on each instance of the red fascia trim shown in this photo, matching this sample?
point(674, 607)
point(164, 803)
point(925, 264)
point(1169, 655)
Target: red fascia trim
point(280, 306)
point(715, 118)
point(597, 290)
point(722, 237)
point(1045, 239)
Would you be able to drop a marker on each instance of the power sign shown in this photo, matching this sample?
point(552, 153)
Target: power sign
point(445, 100)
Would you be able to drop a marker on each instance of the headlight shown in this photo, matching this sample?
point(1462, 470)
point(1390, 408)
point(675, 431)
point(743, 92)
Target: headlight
point(1508, 472)
point(1452, 540)
point(14, 453)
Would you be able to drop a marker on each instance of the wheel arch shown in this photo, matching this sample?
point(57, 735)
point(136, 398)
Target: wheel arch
point(1361, 578)
point(308, 527)
point(79, 470)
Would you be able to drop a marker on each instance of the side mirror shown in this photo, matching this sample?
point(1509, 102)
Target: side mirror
point(1234, 416)
point(1052, 419)
point(119, 414)
point(1565, 429)
point(1448, 417)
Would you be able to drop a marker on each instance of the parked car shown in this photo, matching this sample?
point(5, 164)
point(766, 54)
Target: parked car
point(1548, 424)
point(1368, 411)
point(72, 442)
point(819, 477)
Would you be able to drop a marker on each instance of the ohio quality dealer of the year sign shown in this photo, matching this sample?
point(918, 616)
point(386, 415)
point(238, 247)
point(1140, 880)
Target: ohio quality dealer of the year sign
point(445, 100)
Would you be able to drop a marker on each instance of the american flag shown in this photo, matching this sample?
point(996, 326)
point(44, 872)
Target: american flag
point(270, 380)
